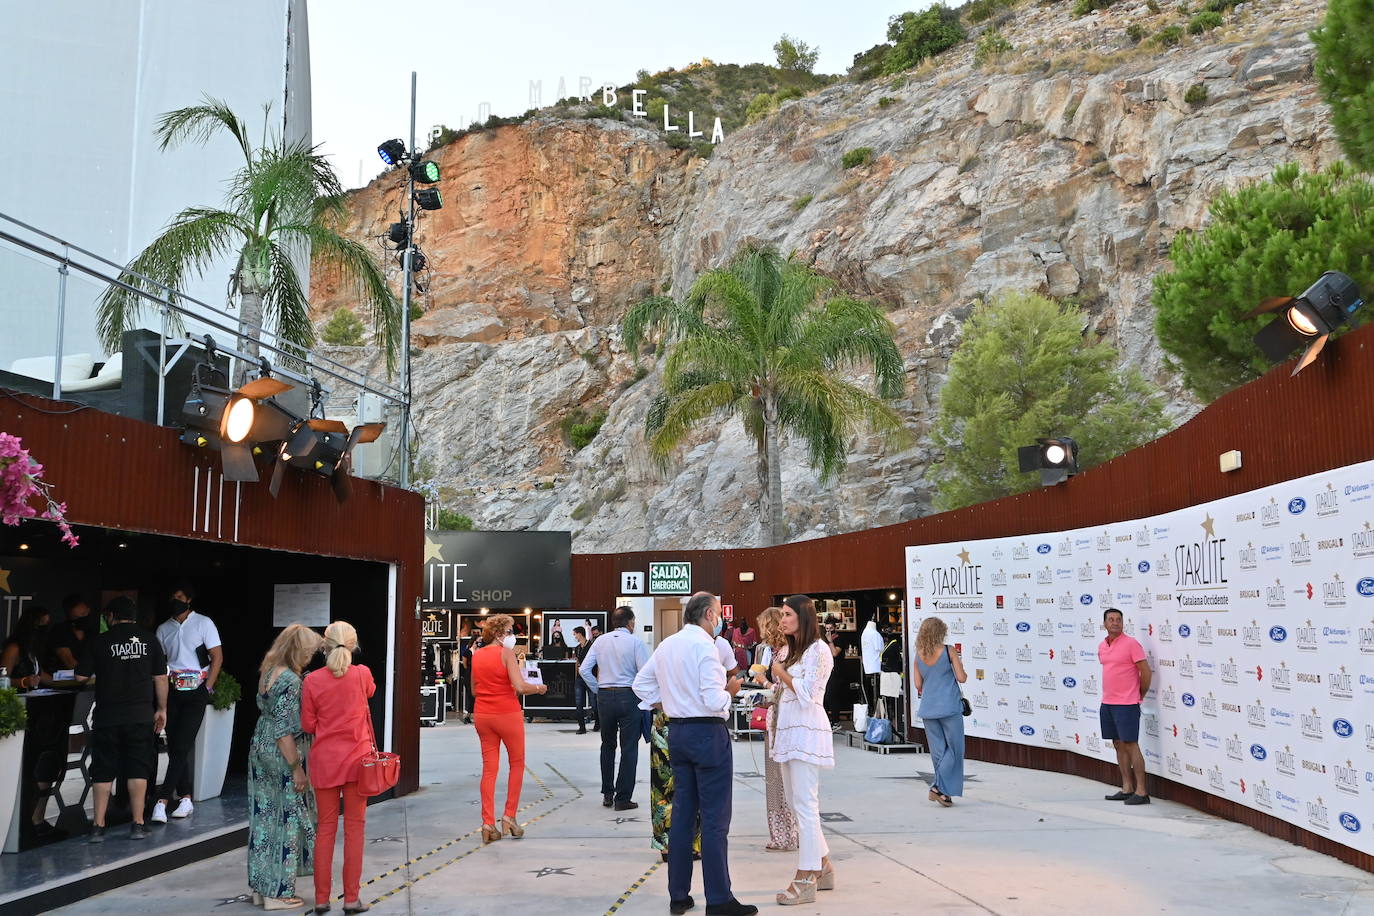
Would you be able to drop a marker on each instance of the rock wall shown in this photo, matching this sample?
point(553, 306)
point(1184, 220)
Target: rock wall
point(1035, 172)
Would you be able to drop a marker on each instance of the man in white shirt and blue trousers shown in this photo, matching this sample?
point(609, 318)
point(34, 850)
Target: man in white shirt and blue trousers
point(616, 659)
point(686, 677)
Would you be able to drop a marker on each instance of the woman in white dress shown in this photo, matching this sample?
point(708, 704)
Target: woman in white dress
point(803, 743)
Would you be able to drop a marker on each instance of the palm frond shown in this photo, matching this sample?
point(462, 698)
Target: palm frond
point(200, 123)
point(288, 184)
point(195, 238)
point(663, 315)
point(729, 300)
point(284, 302)
point(852, 332)
point(685, 410)
point(718, 353)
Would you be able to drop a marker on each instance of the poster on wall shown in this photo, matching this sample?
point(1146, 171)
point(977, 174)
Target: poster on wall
point(558, 637)
point(306, 603)
point(1256, 614)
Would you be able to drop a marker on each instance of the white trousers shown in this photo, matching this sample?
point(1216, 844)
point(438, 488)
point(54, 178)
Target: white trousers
point(802, 783)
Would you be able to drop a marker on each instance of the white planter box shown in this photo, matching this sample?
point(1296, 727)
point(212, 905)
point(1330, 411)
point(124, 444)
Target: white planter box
point(212, 753)
point(11, 759)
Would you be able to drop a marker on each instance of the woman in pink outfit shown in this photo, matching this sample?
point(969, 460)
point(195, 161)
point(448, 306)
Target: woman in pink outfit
point(334, 708)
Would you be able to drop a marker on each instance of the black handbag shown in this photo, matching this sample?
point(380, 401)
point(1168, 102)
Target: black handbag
point(964, 706)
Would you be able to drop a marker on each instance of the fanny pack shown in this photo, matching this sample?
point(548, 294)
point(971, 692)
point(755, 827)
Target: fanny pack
point(186, 678)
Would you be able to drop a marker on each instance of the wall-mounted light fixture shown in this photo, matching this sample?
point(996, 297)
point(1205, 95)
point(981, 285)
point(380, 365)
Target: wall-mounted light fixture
point(746, 577)
point(1230, 461)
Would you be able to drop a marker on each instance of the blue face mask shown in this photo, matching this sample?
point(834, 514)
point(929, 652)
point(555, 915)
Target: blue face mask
point(715, 631)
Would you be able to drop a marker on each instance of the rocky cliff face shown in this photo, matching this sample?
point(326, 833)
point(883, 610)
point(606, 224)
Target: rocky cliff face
point(1067, 167)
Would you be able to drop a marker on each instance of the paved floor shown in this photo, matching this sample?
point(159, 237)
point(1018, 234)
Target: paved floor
point(1021, 842)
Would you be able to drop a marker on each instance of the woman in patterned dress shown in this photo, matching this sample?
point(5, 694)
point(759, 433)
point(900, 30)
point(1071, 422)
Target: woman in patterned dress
point(281, 825)
point(661, 788)
point(782, 827)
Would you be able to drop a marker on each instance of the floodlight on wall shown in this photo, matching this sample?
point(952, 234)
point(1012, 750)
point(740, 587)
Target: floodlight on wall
point(1307, 319)
point(746, 577)
point(429, 199)
point(231, 421)
point(1056, 459)
point(392, 151)
point(425, 172)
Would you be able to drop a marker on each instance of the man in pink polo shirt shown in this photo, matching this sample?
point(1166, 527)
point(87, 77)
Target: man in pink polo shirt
point(1125, 681)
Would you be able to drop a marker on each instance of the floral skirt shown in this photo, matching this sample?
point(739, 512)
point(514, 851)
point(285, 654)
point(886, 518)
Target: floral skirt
point(281, 824)
point(661, 786)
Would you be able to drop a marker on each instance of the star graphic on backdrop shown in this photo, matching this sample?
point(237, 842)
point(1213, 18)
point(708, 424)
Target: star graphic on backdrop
point(241, 898)
point(5, 579)
point(963, 556)
point(433, 551)
point(625, 820)
point(545, 871)
point(1207, 524)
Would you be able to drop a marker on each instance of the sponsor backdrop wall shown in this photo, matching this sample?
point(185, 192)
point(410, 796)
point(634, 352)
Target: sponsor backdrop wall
point(1257, 615)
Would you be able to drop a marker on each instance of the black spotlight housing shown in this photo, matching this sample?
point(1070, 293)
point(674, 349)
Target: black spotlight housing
point(399, 234)
point(1309, 319)
point(232, 421)
point(418, 261)
point(392, 151)
point(429, 199)
point(425, 172)
point(323, 447)
point(1056, 459)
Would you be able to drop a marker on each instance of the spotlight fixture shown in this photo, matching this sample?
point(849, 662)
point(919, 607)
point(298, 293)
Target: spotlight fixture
point(232, 421)
point(429, 199)
point(392, 151)
point(399, 234)
point(425, 171)
point(326, 448)
point(418, 261)
point(1055, 458)
point(1310, 318)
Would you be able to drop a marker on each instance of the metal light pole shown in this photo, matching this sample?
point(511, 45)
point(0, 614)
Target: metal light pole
point(408, 280)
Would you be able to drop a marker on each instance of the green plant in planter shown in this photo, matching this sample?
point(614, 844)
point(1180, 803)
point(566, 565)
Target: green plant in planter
point(226, 693)
point(13, 714)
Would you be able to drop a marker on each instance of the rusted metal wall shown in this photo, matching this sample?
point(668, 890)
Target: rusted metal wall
point(119, 473)
point(1284, 427)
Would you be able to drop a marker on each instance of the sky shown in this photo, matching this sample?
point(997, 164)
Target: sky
point(469, 53)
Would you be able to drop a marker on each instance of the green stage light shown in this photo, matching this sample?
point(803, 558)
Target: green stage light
point(429, 199)
point(425, 172)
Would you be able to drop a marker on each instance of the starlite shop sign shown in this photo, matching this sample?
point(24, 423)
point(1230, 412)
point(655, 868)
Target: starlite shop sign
point(507, 570)
point(670, 578)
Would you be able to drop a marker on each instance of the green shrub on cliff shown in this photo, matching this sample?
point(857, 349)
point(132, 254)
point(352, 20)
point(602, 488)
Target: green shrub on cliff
point(1271, 238)
point(343, 329)
point(990, 45)
point(1204, 22)
point(917, 36)
point(860, 155)
point(1345, 71)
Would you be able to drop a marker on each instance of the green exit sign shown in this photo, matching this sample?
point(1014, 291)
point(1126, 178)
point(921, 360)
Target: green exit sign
point(670, 578)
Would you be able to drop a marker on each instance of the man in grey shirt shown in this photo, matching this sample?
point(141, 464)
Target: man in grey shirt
point(617, 658)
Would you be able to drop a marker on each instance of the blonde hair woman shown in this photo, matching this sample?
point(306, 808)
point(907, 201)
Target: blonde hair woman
point(281, 822)
point(497, 684)
point(334, 708)
point(782, 826)
point(936, 677)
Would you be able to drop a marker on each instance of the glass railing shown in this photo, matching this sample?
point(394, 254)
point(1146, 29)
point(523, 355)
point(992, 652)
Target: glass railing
point(49, 346)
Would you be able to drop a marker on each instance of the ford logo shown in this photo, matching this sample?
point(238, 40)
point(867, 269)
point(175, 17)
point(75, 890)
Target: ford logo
point(1258, 752)
point(1296, 505)
point(1143, 566)
point(1342, 727)
point(1022, 627)
point(1189, 699)
point(1070, 682)
point(1184, 630)
point(1085, 599)
point(1027, 730)
point(1365, 586)
point(1043, 548)
point(1278, 634)
point(1350, 822)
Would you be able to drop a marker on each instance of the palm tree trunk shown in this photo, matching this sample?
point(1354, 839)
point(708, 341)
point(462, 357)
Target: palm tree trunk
point(774, 525)
point(250, 317)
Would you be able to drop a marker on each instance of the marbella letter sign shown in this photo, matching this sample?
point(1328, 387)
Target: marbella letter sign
point(670, 578)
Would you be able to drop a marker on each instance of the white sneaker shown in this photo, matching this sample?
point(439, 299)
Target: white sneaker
point(159, 814)
point(185, 808)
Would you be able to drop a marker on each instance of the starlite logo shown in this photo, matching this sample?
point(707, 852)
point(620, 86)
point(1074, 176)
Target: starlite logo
point(1317, 814)
point(1065, 548)
point(1070, 682)
point(1051, 734)
point(1044, 576)
point(1004, 729)
point(1027, 730)
point(1175, 765)
point(1169, 698)
point(1229, 672)
point(1278, 634)
point(1215, 779)
point(1043, 548)
point(1124, 570)
point(1297, 506)
point(1362, 541)
point(1209, 706)
point(999, 580)
point(1300, 551)
point(1204, 634)
point(1340, 684)
point(1328, 502)
point(1090, 685)
point(1002, 678)
point(999, 628)
point(1085, 572)
point(1045, 629)
point(1263, 796)
point(1023, 654)
point(1258, 752)
point(1020, 552)
point(1071, 711)
point(1248, 557)
point(1190, 736)
point(1347, 778)
point(1350, 822)
point(1185, 666)
point(1286, 762)
point(1233, 747)
point(1312, 725)
point(1341, 727)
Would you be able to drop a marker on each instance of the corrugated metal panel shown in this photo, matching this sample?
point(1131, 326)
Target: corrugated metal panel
point(119, 473)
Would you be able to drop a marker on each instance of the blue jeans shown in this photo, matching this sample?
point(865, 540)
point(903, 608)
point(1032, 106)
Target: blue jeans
point(703, 767)
point(582, 692)
point(618, 712)
point(946, 739)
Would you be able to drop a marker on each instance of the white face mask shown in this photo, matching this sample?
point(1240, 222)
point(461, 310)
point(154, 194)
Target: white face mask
point(509, 641)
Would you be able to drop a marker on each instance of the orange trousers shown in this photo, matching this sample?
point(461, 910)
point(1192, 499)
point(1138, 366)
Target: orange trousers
point(495, 730)
point(355, 823)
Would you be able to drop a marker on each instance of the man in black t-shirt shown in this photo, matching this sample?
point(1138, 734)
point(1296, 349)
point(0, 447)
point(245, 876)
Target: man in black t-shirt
point(67, 640)
point(130, 671)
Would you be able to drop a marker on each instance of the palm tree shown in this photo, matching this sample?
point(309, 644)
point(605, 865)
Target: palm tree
point(285, 199)
point(765, 339)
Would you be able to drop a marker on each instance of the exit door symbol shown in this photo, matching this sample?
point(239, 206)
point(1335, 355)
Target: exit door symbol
point(632, 583)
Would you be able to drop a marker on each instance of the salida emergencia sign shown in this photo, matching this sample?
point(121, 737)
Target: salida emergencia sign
point(670, 578)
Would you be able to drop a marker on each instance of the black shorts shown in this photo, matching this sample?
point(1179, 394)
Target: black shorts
point(125, 751)
point(1120, 722)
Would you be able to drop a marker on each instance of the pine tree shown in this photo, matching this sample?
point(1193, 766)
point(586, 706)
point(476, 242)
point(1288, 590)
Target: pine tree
point(1345, 70)
point(1022, 371)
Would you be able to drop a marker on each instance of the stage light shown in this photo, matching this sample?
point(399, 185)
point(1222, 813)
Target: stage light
point(418, 261)
point(23, 546)
point(392, 151)
point(425, 172)
point(1309, 319)
point(399, 234)
point(1055, 458)
point(232, 421)
point(429, 199)
point(324, 447)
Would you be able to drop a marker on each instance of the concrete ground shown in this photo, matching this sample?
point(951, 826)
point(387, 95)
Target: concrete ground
point(1019, 842)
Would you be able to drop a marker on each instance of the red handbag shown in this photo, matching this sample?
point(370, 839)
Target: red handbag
point(378, 771)
point(758, 719)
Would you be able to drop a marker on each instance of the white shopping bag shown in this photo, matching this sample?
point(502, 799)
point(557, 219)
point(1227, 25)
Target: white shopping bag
point(860, 716)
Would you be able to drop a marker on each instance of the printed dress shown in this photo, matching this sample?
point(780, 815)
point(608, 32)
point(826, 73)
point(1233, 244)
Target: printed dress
point(661, 786)
point(281, 826)
point(782, 826)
